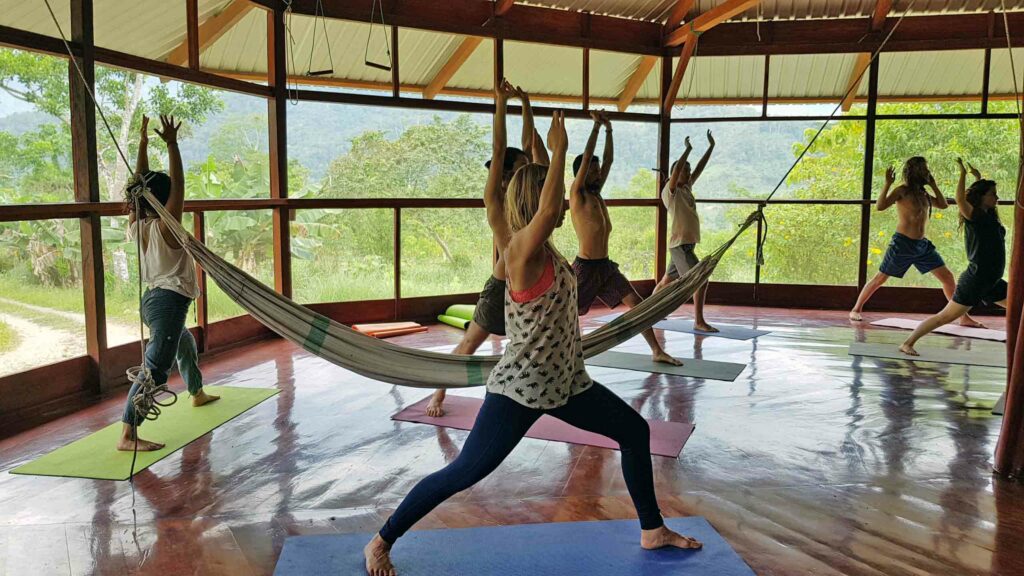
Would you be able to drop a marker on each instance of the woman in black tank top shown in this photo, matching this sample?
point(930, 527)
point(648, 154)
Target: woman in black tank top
point(985, 242)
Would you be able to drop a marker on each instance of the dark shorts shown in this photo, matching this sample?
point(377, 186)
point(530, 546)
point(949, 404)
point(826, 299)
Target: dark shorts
point(973, 288)
point(599, 279)
point(904, 252)
point(682, 259)
point(490, 308)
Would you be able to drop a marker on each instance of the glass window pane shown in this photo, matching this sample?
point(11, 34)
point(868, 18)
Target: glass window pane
point(35, 139)
point(751, 157)
point(444, 251)
point(244, 238)
point(223, 138)
point(342, 255)
point(633, 239)
point(42, 310)
point(812, 244)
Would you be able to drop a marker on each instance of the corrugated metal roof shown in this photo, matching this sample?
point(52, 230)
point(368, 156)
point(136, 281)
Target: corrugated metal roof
point(810, 75)
point(1001, 77)
point(553, 70)
point(722, 77)
point(948, 73)
point(610, 71)
point(243, 48)
point(657, 10)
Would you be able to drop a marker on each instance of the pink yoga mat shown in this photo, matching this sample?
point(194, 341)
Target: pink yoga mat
point(667, 438)
point(952, 329)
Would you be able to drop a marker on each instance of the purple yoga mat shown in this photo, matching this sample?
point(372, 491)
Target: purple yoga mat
point(952, 329)
point(667, 438)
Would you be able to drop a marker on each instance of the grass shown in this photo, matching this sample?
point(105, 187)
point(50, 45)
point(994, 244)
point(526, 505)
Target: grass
point(8, 338)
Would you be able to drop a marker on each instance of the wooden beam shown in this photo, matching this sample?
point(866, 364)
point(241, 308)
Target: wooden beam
point(881, 12)
point(87, 188)
point(211, 30)
point(856, 76)
point(524, 23)
point(678, 13)
point(455, 61)
point(165, 70)
point(192, 32)
point(636, 80)
point(501, 7)
point(677, 77)
point(708, 20)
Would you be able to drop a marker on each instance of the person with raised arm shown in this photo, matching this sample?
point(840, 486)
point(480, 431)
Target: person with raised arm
point(541, 371)
point(677, 195)
point(489, 314)
point(597, 275)
point(985, 242)
point(914, 200)
point(169, 273)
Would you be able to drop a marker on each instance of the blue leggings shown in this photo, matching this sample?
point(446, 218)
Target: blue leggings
point(165, 312)
point(500, 425)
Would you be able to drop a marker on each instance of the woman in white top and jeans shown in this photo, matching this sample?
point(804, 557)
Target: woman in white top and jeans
point(170, 277)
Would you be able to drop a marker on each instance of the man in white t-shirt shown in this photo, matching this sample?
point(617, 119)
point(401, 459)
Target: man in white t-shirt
point(685, 232)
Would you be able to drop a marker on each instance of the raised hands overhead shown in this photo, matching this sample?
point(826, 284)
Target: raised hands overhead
point(711, 139)
point(890, 176)
point(144, 130)
point(168, 130)
point(557, 140)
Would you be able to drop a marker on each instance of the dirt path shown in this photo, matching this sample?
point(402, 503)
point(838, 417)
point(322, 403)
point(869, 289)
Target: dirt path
point(40, 344)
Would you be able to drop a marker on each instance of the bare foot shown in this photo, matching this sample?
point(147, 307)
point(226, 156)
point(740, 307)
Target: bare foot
point(203, 398)
point(908, 349)
point(704, 327)
point(662, 537)
point(855, 316)
point(435, 409)
point(664, 358)
point(378, 558)
point(128, 445)
point(969, 322)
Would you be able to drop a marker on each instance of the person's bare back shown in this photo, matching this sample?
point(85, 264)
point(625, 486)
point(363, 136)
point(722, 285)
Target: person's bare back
point(912, 209)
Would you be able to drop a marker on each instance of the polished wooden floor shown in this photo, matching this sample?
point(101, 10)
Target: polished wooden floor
point(812, 462)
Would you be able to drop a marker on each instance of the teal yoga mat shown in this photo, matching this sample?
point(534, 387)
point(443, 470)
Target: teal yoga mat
point(460, 323)
point(464, 311)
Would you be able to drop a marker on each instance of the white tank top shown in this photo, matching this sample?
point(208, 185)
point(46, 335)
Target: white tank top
point(683, 208)
point(164, 266)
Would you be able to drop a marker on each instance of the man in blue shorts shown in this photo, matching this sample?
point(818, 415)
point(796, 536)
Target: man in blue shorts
point(909, 246)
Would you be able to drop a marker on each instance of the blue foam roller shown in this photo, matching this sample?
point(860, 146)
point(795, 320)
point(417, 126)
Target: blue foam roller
point(609, 548)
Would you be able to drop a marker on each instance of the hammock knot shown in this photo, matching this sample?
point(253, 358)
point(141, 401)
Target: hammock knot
point(145, 401)
point(135, 189)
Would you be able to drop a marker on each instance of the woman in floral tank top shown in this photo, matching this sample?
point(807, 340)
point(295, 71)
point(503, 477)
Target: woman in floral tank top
point(541, 371)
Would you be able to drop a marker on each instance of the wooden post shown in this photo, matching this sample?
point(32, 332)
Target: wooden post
point(397, 239)
point(664, 145)
point(396, 81)
point(278, 128)
point(764, 94)
point(192, 32)
point(499, 63)
point(869, 167)
point(87, 189)
point(586, 78)
point(202, 304)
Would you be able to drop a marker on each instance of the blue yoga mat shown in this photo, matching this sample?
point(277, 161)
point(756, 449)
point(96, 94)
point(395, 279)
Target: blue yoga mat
point(729, 331)
point(610, 548)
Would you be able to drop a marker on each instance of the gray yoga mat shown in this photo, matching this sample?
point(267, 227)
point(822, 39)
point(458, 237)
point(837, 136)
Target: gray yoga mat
point(691, 367)
point(729, 331)
point(988, 356)
point(1000, 406)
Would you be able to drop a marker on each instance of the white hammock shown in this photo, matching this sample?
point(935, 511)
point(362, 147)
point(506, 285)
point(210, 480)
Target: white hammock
point(381, 360)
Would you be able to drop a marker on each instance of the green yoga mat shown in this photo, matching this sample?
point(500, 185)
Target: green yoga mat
point(464, 311)
point(95, 457)
point(459, 323)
